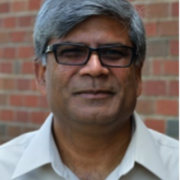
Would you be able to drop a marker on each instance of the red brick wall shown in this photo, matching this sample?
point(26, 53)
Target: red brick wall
point(22, 109)
point(158, 104)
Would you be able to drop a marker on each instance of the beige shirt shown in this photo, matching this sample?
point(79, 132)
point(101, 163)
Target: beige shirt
point(34, 156)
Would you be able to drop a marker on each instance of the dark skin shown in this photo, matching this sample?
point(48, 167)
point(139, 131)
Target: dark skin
point(91, 104)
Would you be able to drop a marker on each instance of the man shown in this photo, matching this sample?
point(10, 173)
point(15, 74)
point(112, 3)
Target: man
point(89, 59)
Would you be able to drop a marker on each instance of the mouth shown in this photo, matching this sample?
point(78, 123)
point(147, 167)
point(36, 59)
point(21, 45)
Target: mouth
point(94, 94)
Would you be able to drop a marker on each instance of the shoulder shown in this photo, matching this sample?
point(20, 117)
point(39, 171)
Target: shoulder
point(164, 140)
point(11, 152)
point(168, 149)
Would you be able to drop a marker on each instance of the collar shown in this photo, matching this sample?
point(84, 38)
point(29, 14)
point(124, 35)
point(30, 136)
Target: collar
point(38, 151)
point(145, 151)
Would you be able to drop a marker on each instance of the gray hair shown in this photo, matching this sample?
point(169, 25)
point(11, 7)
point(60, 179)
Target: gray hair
point(57, 17)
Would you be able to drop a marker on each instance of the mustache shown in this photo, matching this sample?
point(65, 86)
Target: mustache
point(86, 88)
point(90, 85)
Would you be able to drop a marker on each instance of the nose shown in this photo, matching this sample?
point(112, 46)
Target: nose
point(94, 67)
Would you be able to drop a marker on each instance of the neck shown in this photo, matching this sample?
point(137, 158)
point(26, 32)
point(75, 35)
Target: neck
point(91, 150)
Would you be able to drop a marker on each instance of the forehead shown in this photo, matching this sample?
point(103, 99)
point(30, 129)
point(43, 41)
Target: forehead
point(97, 30)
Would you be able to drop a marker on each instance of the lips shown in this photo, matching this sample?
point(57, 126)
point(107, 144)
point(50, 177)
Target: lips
point(94, 94)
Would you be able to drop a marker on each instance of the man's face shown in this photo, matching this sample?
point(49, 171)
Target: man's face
point(92, 93)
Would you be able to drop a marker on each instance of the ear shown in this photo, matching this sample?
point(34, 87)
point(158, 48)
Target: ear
point(40, 80)
point(138, 80)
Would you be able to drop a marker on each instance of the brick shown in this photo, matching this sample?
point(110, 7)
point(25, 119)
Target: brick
point(173, 88)
point(28, 37)
point(168, 28)
point(25, 52)
point(23, 84)
point(3, 99)
point(173, 128)
point(151, 29)
point(157, 48)
point(19, 6)
point(16, 100)
point(174, 47)
point(8, 84)
point(33, 85)
point(27, 68)
point(154, 88)
point(157, 125)
point(175, 9)
point(146, 68)
point(4, 37)
point(25, 21)
point(171, 67)
point(38, 117)
point(22, 116)
point(6, 67)
point(1, 83)
point(4, 7)
point(157, 67)
point(0, 113)
point(30, 101)
point(10, 22)
point(157, 10)
point(34, 4)
point(145, 106)
point(17, 36)
point(7, 115)
point(9, 53)
point(42, 102)
point(167, 107)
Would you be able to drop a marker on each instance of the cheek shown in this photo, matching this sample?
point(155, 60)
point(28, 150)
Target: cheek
point(55, 84)
point(127, 82)
point(59, 78)
point(124, 76)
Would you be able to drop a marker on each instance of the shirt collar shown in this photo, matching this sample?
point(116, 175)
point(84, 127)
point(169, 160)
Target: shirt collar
point(145, 151)
point(142, 150)
point(38, 151)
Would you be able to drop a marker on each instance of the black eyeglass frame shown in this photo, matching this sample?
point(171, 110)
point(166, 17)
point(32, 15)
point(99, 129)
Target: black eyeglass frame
point(53, 48)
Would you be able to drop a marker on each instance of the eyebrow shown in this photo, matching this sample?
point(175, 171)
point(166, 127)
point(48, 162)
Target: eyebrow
point(112, 44)
point(100, 44)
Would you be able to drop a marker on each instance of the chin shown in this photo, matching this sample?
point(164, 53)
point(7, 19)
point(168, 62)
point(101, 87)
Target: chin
point(97, 117)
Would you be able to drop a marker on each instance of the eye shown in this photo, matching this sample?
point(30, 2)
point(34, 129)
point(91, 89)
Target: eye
point(114, 53)
point(70, 52)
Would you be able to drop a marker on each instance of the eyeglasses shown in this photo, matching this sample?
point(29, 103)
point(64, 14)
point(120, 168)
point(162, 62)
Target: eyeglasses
point(79, 54)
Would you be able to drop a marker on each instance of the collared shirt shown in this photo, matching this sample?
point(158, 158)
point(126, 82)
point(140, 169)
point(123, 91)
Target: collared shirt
point(34, 156)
